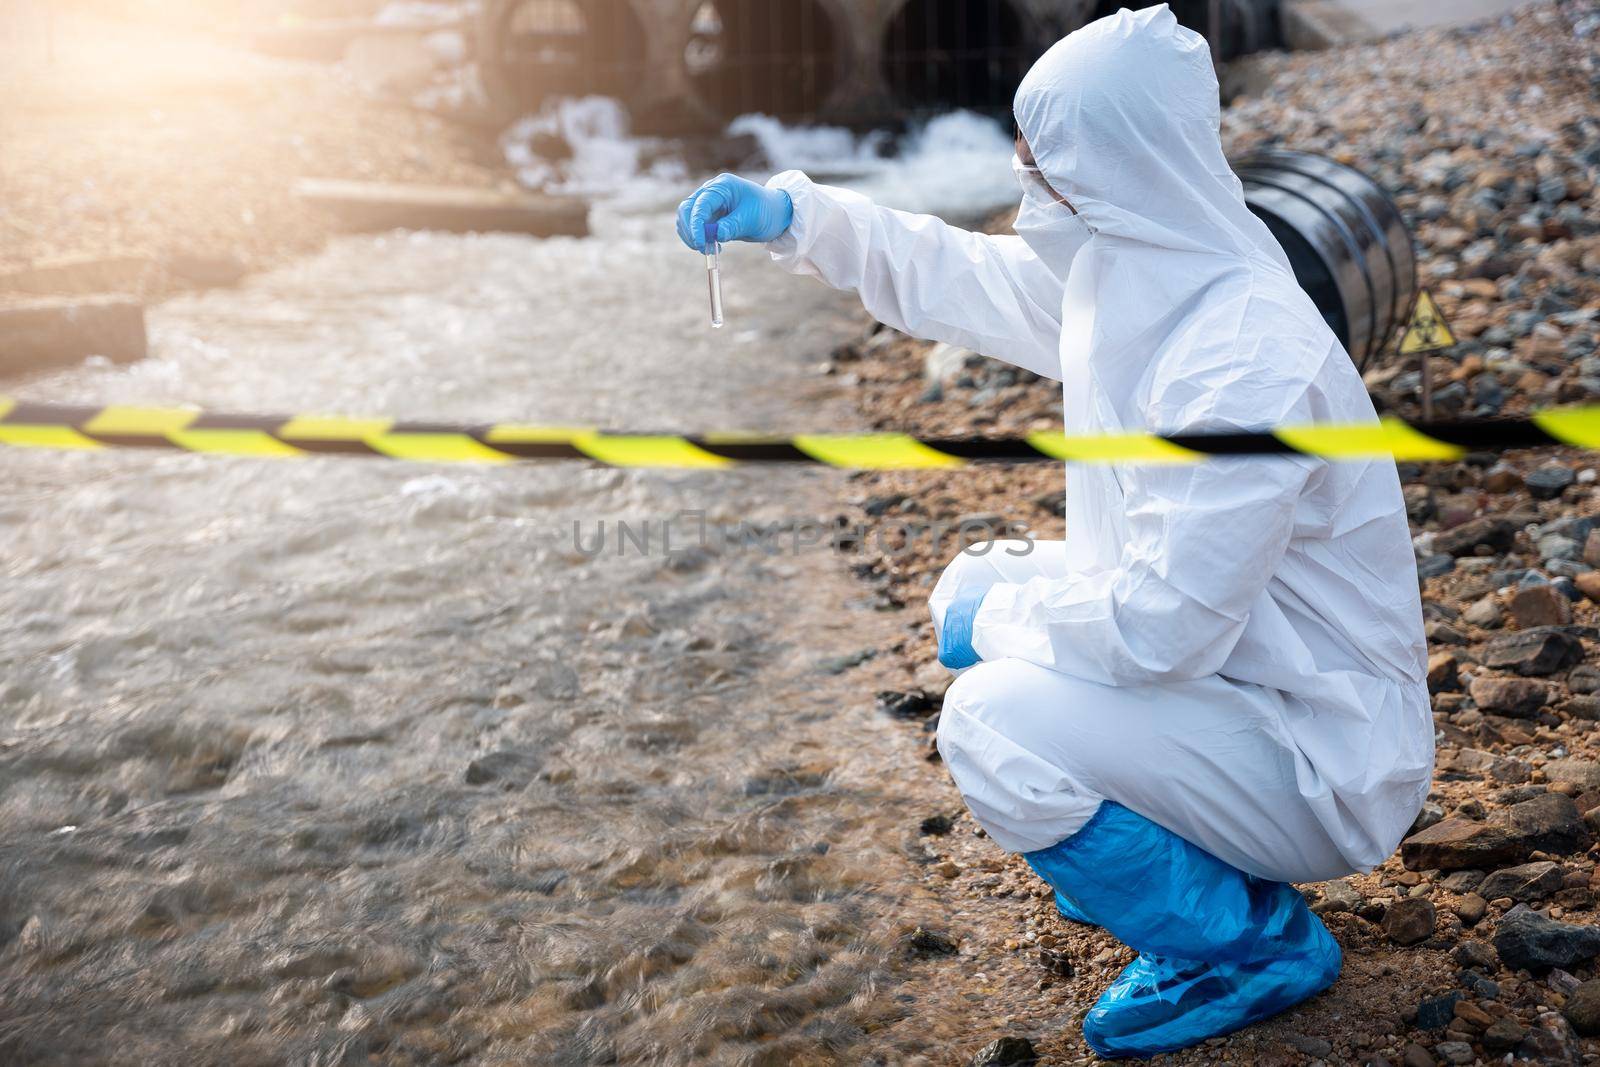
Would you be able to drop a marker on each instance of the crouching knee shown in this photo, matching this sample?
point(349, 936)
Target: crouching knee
point(975, 709)
point(998, 736)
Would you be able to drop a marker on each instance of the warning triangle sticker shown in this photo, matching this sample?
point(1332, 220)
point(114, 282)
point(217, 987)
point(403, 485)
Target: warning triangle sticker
point(1427, 332)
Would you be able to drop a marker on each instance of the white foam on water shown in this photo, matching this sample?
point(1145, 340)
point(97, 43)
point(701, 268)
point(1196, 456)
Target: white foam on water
point(606, 158)
point(959, 163)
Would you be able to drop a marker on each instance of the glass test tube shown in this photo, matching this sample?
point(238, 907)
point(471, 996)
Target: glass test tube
point(714, 274)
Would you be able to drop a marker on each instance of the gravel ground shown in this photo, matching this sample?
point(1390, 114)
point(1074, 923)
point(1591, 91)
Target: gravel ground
point(1478, 941)
point(139, 140)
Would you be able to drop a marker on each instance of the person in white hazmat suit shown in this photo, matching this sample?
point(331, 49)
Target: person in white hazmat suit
point(1216, 685)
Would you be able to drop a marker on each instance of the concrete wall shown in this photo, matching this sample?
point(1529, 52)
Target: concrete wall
point(667, 98)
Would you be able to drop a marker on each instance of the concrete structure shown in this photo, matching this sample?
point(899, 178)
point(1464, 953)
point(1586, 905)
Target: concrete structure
point(687, 64)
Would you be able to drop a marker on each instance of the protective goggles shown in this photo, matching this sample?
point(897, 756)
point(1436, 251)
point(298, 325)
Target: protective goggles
point(1035, 187)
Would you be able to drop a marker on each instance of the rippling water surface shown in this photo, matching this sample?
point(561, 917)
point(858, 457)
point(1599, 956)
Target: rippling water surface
point(344, 761)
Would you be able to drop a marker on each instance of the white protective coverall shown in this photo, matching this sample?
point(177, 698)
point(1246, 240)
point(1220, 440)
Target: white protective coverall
point(1232, 649)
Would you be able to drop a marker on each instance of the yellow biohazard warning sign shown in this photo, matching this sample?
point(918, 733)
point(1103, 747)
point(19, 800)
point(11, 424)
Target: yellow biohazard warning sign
point(1427, 332)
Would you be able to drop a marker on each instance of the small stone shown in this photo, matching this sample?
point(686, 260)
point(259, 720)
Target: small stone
point(509, 768)
point(922, 943)
point(1429, 814)
point(1442, 672)
point(1485, 613)
point(1006, 1052)
point(1337, 896)
point(1455, 1051)
point(1497, 535)
point(1435, 1013)
point(1315, 1047)
point(1475, 954)
point(1540, 605)
point(1409, 921)
point(1557, 547)
point(1539, 651)
point(1551, 1041)
point(1056, 962)
point(1588, 584)
point(1584, 678)
point(1501, 478)
point(1470, 909)
point(1582, 1008)
point(1517, 697)
point(906, 705)
point(1530, 881)
point(1549, 481)
point(1461, 881)
point(1562, 982)
point(937, 825)
point(1435, 566)
point(1503, 1035)
point(1417, 1056)
point(1526, 940)
point(1472, 1015)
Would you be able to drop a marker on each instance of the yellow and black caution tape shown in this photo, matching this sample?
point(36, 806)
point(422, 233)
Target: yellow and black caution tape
point(56, 426)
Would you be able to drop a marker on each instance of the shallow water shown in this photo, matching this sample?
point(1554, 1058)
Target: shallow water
point(337, 761)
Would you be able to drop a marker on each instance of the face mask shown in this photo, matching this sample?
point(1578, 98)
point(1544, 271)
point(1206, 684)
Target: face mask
point(1049, 227)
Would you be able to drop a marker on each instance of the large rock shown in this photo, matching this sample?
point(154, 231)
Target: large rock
point(1540, 605)
point(1518, 697)
point(1530, 881)
point(1582, 773)
point(1495, 534)
point(1540, 651)
point(1551, 823)
point(1583, 1008)
point(1548, 823)
point(1527, 940)
point(39, 334)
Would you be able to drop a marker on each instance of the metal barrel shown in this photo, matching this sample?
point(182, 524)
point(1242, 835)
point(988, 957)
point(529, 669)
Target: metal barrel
point(1344, 236)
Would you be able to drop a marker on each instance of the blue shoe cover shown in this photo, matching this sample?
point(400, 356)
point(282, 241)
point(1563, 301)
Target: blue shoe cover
point(1219, 949)
point(1071, 912)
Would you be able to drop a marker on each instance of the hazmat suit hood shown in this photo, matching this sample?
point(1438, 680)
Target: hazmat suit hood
point(1123, 117)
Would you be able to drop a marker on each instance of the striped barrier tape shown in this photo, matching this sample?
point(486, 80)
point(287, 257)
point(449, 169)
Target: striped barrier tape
point(24, 424)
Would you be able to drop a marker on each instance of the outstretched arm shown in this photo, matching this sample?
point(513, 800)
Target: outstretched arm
point(925, 277)
point(913, 272)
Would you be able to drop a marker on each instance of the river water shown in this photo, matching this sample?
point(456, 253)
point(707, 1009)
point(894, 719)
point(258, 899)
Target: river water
point(346, 761)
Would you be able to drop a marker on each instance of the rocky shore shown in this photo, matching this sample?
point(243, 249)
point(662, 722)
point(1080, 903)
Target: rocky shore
point(1478, 941)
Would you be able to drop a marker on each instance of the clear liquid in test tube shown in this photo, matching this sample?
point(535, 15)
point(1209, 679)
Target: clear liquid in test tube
point(714, 274)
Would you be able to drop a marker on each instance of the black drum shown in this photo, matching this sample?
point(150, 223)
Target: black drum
point(1348, 244)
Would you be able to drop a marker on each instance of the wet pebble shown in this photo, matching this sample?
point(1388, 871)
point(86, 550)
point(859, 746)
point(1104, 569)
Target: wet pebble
point(1006, 1052)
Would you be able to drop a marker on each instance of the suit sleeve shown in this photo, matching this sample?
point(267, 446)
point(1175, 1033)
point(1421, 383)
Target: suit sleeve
point(925, 277)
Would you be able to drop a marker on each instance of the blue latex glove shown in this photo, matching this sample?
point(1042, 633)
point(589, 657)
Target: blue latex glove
point(955, 636)
point(741, 210)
